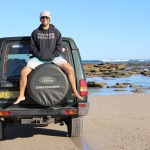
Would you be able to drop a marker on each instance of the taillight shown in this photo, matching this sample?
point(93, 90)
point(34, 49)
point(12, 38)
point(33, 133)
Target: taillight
point(81, 105)
point(5, 113)
point(83, 88)
point(70, 112)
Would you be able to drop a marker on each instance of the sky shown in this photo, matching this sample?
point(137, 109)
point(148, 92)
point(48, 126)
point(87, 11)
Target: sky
point(102, 29)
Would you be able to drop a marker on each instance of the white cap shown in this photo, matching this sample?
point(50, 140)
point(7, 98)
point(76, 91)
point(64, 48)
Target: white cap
point(45, 13)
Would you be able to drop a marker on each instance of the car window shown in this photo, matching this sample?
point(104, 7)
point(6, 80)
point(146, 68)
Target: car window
point(17, 55)
point(64, 53)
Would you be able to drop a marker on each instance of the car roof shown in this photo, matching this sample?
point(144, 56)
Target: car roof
point(71, 41)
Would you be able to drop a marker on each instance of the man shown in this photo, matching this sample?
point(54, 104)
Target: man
point(46, 46)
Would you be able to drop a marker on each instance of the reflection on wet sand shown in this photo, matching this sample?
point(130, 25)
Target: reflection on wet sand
point(80, 143)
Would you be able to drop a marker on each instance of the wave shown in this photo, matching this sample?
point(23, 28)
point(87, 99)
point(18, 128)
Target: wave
point(114, 60)
point(142, 60)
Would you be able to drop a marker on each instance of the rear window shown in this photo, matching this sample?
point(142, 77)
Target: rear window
point(16, 56)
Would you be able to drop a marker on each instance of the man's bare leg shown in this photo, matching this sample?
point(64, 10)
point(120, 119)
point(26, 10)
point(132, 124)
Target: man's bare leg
point(23, 82)
point(70, 73)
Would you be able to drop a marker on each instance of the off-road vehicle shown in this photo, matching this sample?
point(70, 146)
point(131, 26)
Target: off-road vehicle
point(48, 94)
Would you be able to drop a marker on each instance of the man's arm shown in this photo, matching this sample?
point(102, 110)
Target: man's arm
point(58, 48)
point(33, 47)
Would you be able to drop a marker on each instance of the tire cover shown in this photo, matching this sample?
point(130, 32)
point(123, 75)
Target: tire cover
point(47, 85)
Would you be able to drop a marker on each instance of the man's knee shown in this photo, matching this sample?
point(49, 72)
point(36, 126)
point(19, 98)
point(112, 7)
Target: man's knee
point(25, 71)
point(67, 68)
point(70, 69)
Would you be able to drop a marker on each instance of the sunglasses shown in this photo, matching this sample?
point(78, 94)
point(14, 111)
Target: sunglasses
point(44, 17)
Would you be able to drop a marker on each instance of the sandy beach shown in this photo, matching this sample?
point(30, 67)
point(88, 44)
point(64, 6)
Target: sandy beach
point(118, 122)
point(114, 123)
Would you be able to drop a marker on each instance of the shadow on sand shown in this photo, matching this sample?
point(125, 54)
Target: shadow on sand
point(25, 131)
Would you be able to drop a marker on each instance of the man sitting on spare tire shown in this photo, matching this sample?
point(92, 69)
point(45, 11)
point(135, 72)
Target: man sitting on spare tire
point(46, 46)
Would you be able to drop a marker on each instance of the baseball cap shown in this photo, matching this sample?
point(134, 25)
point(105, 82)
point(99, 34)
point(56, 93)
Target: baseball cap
point(45, 13)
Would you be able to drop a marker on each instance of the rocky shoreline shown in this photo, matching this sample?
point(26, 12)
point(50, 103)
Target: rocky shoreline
point(106, 70)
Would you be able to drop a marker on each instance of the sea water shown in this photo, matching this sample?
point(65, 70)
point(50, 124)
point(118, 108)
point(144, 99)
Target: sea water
point(139, 80)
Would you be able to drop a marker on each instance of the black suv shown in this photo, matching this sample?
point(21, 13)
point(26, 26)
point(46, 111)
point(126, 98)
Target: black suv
point(48, 94)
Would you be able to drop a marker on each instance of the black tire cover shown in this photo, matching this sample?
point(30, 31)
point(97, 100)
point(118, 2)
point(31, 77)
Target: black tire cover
point(47, 85)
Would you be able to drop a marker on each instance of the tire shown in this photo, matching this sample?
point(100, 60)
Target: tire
point(1, 130)
point(47, 85)
point(74, 126)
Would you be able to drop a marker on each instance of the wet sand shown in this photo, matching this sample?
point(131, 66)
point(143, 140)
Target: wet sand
point(118, 122)
point(114, 123)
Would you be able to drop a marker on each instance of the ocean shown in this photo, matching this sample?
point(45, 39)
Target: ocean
point(119, 61)
point(139, 80)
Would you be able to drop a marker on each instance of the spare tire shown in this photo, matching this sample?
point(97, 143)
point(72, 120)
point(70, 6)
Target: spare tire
point(47, 85)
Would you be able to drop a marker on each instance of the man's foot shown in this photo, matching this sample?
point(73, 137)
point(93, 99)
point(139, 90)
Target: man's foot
point(78, 96)
point(19, 100)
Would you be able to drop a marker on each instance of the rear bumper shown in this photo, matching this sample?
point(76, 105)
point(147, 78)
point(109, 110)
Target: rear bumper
point(63, 111)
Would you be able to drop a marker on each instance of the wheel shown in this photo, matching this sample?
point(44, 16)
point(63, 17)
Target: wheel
point(1, 130)
point(47, 85)
point(74, 126)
